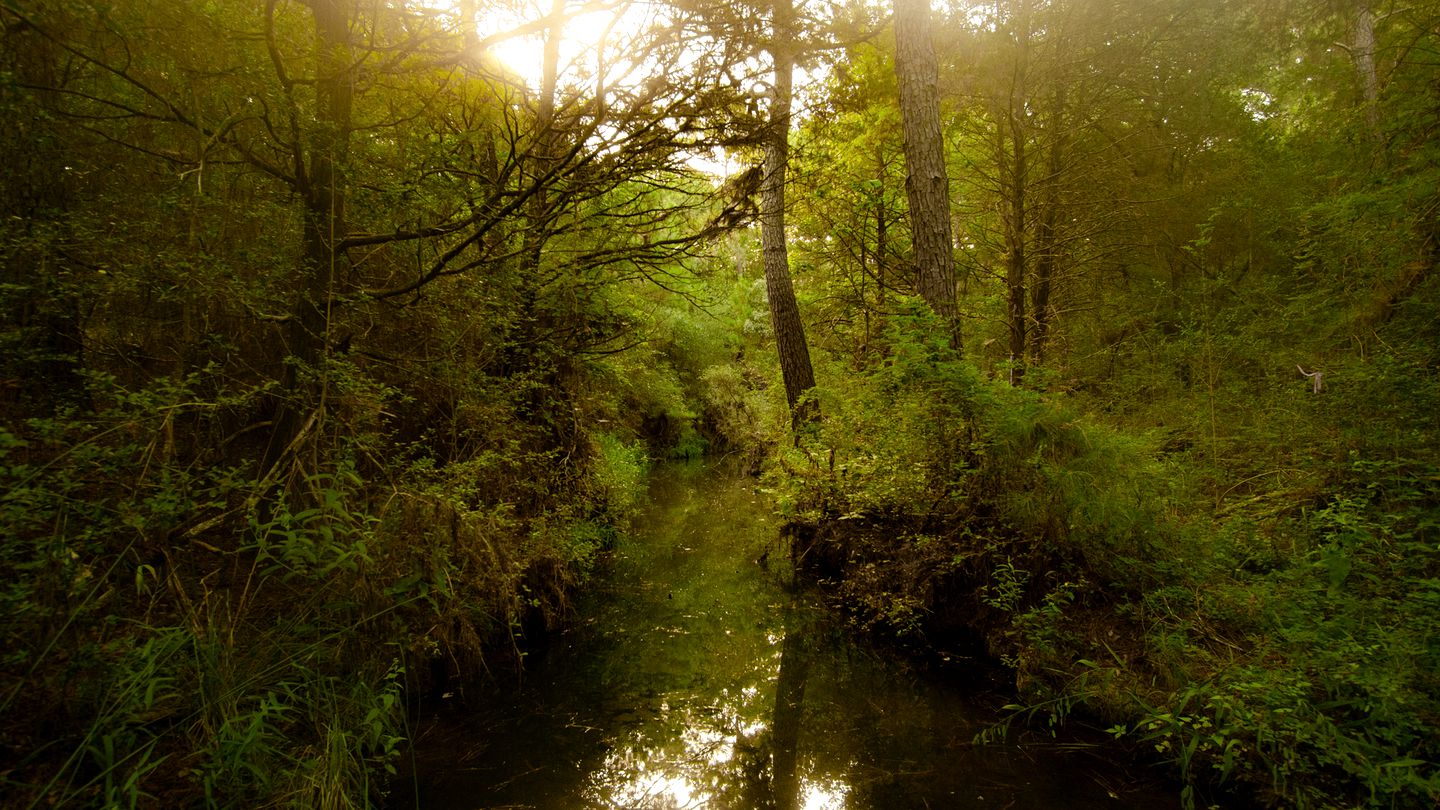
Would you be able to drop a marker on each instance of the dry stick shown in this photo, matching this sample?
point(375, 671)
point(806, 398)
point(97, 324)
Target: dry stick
point(256, 494)
point(1317, 379)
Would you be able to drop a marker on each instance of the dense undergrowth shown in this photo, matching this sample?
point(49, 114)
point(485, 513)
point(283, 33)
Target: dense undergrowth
point(1269, 631)
point(174, 632)
point(182, 626)
point(281, 456)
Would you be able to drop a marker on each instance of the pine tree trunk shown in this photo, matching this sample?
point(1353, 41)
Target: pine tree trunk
point(784, 311)
point(927, 186)
point(1364, 55)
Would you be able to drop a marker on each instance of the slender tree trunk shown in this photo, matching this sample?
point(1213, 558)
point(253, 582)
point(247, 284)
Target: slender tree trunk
point(882, 247)
point(1012, 138)
point(546, 139)
point(873, 266)
point(784, 311)
point(1015, 258)
point(1042, 286)
point(1047, 258)
point(1363, 51)
point(43, 310)
point(525, 354)
point(927, 186)
point(322, 189)
point(531, 350)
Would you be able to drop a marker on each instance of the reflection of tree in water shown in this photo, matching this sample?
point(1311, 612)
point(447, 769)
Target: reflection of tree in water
point(848, 728)
point(765, 769)
point(739, 754)
point(704, 683)
point(682, 758)
point(789, 709)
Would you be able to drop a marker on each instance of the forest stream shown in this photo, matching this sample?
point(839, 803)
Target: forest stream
point(700, 676)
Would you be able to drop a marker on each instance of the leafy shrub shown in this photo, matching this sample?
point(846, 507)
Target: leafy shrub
point(618, 476)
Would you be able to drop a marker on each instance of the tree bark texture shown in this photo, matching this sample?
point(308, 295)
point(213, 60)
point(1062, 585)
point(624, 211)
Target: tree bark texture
point(927, 186)
point(784, 311)
point(1364, 55)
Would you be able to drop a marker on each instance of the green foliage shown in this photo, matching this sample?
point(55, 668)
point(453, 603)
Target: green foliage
point(238, 484)
point(319, 540)
point(1007, 588)
point(619, 478)
point(85, 498)
point(1265, 605)
point(926, 432)
point(736, 408)
point(292, 731)
point(280, 688)
point(872, 455)
point(1312, 675)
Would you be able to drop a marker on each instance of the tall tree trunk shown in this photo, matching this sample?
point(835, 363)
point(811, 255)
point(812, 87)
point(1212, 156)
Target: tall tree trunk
point(1014, 216)
point(322, 190)
point(882, 246)
point(1040, 289)
point(784, 311)
point(1363, 51)
point(43, 307)
point(525, 351)
point(927, 186)
point(546, 139)
point(1012, 141)
point(1047, 254)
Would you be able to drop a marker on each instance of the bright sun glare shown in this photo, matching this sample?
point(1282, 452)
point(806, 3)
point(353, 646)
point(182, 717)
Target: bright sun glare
point(595, 33)
point(584, 35)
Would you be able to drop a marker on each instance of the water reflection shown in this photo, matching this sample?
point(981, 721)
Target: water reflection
point(701, 681)
point(789, 709)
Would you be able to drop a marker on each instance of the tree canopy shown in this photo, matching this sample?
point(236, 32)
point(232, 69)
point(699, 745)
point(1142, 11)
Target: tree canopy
point(326, 331)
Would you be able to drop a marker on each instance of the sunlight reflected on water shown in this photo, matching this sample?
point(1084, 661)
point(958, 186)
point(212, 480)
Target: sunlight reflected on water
point(652, 778)
point(703, 681)
point(685, 755)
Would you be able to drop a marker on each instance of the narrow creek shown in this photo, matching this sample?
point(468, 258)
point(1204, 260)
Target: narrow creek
point(699, 678)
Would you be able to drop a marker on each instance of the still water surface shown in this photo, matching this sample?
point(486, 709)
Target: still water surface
point(699, 679)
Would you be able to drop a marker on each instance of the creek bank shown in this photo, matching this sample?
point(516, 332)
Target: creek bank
point(699, 677)
point(1027, 619)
